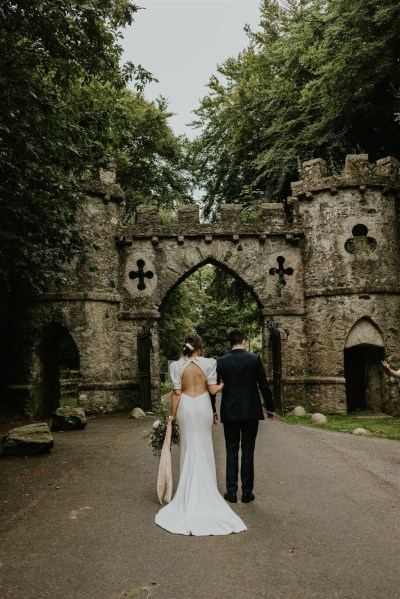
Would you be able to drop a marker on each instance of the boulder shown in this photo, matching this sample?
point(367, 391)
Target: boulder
point(137, 413)
point(319, 418)
point(67, 418)
point(299, 411)
point(360, 431)
point(30, 439)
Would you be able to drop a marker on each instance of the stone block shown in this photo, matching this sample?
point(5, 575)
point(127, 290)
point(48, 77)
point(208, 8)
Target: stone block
point(272, 213)
point(68, 418)
point(388, 167)
point(31, 439)
point(230, 213)
point(189, 215)
point(146, 215)
point(108, 176)
point(314, 170)
point(356, 167)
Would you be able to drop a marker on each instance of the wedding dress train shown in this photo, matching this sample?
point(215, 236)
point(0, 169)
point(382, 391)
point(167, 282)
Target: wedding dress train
point(197, 508)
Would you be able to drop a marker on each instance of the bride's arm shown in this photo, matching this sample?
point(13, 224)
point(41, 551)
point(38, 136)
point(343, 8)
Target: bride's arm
point(176, 395)
point(215, 388)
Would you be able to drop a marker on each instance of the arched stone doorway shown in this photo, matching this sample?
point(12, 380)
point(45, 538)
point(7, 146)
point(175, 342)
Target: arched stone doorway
point(363, 352)
point(58, 357)
point(212, 299)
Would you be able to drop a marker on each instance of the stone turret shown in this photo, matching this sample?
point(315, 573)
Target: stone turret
point(351, 271)
point(350, 224)
point(97, 220)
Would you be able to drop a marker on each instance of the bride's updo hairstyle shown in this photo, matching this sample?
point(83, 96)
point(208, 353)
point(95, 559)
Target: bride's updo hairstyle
point(193, 342)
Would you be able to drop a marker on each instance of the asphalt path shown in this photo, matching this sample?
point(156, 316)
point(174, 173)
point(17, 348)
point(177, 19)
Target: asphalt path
point(79, 523)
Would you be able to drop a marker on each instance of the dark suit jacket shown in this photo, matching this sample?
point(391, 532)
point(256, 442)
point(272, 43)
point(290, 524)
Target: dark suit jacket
point(243, 375)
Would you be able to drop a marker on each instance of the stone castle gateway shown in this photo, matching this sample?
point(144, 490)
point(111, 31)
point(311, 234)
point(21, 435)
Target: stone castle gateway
point(324, 270)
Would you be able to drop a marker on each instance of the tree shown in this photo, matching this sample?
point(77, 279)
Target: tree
point(54, 57)
point(227, 304)
point(319, 79)
point(150, 158)
point(180, 310)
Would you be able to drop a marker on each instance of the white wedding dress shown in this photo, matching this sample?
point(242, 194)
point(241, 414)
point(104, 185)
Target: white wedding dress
point(197, 508)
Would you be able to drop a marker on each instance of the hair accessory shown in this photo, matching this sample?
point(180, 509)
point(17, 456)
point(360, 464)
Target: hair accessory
point(189, 346)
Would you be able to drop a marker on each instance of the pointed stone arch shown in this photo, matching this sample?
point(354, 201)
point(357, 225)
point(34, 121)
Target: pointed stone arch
point(364, 332)
point(218, 264)
point(363, 352)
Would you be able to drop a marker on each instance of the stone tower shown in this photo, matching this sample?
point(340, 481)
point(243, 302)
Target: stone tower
point(351, 282)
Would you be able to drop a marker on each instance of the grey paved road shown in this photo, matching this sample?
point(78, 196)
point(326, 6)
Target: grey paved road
point(78, 523)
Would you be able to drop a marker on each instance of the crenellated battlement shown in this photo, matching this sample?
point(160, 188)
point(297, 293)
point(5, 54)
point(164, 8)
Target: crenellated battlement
point(229, 215)
point(231, 222)
point(358, 171)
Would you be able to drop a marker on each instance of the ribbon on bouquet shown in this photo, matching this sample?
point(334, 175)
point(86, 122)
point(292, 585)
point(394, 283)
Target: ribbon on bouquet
point(164, 478)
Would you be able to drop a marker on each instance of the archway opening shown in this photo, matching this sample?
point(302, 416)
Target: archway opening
point(210, 300)
point(363, 352)
point(363, 378)
point(60, 364)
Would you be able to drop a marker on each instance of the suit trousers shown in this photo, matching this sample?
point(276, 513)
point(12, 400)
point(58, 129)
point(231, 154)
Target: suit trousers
point(240, 433)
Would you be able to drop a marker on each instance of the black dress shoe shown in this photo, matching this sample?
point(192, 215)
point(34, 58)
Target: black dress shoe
point(247, 497)
point(231, 497)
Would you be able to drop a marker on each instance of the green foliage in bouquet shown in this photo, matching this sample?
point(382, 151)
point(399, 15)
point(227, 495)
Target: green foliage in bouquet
point(157, 434)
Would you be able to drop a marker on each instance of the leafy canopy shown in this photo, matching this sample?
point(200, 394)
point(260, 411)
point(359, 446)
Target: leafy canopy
point(66, 111)
point(150, 158)
point(320, 78)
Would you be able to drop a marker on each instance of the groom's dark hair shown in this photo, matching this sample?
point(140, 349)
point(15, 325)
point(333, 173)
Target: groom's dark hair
point(236, 336)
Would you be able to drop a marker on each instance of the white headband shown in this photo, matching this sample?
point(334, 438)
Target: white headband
point(189, 346)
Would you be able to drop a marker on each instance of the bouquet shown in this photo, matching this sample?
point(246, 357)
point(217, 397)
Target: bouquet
point(157, 434)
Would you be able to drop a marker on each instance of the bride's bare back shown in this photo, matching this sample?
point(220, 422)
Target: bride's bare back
point(193, 381)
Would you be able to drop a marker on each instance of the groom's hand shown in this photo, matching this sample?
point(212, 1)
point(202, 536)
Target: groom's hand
point(270, 414)
point(215, 418)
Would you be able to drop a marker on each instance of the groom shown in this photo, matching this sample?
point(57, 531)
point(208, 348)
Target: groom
point(243, 375)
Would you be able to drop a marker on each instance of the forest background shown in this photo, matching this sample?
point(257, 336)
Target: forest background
point(319, 78)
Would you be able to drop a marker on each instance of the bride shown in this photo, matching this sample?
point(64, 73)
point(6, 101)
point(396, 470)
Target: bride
point(197, 508)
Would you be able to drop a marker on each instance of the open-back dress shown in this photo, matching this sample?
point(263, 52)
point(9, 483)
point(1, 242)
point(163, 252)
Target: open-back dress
point(197, 508)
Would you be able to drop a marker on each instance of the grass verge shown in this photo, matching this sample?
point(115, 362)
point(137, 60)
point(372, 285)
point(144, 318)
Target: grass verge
point(387, 428)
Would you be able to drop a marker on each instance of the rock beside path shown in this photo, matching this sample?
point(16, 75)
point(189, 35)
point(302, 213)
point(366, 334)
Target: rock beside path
point(299, 411)
point(30, 439)
point(360, 431)
point(319, 418)
point(137, 413)
point(67, 418)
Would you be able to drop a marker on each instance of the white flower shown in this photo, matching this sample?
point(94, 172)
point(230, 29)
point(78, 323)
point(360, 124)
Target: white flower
point(156, 423)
